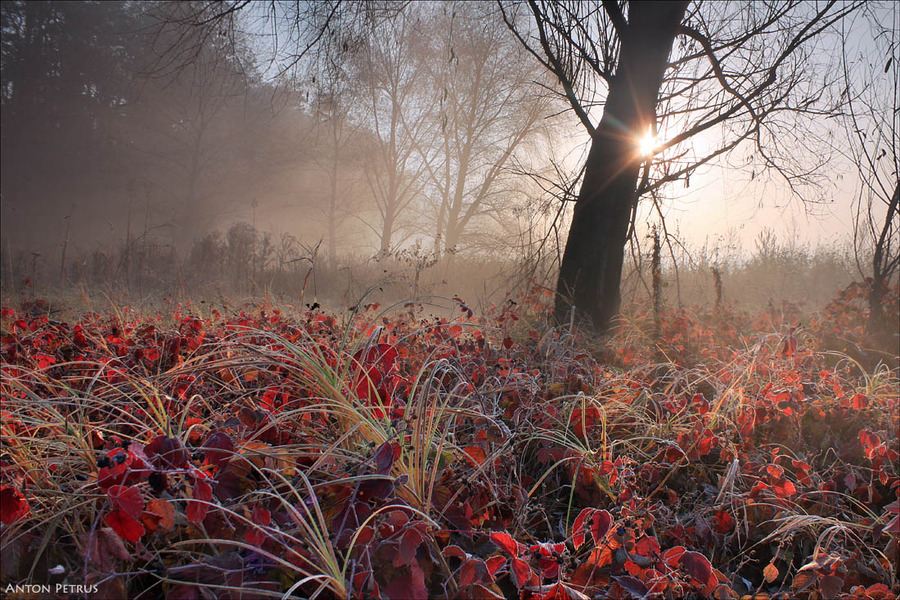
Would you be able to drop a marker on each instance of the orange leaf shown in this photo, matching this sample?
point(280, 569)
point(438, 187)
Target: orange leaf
point(475, 455)
point(770, 572)
point(158, 514)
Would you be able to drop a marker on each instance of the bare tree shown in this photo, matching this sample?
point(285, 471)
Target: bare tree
point(487, 108)
point(192, 118)
point(398, 116)
point(872, 119)
point(335, 97)
point(731, 66)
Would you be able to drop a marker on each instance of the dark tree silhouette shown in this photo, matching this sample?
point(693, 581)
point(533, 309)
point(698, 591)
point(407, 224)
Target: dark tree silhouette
point(665, 66)
point(872, 85)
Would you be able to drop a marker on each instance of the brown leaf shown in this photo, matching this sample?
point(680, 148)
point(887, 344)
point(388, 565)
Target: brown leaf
point(804, 579)
point(831, 586)
point(770, 572)
point(105, 548)
point(158, 514)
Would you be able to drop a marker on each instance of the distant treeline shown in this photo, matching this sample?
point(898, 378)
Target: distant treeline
point(245, 262)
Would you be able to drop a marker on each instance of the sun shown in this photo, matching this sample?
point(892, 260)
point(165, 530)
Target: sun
point(647, 144)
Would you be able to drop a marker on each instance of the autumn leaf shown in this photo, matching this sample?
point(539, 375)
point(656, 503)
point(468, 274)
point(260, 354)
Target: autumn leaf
point(127, 527)
point(697, 566)
point(724, 522)
point(105, 547)
point(784, 488)
point(167, 452)
point(254, 535)
point(635, 587)
point(831, 586)
point(803, 579)
point(218, 448)
point(199, 506)
point(770, 572)
point(158, 514)
point(475, 455)
point(12, 505)
point(127, 499)
point(505, 542)
point(522, 573)
point(385, 456)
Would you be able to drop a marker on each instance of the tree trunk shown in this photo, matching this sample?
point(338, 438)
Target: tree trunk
point(881, 269)
point(591, 269)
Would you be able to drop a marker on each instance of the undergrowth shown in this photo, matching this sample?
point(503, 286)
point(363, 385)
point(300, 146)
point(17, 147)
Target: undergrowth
point(388, 453)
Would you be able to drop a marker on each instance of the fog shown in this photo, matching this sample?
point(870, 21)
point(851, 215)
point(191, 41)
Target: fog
point(145, 154)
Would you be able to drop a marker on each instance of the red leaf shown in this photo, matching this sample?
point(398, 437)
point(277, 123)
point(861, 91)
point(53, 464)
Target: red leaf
point(254, 535)
point(407, 583)
point(409, 543)
point(579, 528)
point(859, 402)
point(109, 476)
point(12, 505)
point(557, 591)
point(724, 522)
point(672, 556)
point(494, 564)
point(468, 572)
point(122, 523)
point(697, 566)
point(803, 579)
point(261, 516)
point(105, 548)
point(454, 551)
point(385, 456)
point(869, 442)
point(706, 444)
point(775, 471)
point(648, 546)
point(893, 525)
point(522, 573)
point(199, 506)
point(475, 455)
point(803, 470)
point(600, 524)
point(784, 488)
point(607, 467)
point(127, 499)
point(219, 448)
point(168, 452)
point(600, 557)
point(505, 542)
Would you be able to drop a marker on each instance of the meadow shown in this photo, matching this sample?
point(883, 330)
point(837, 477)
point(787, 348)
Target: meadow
point(386, 452)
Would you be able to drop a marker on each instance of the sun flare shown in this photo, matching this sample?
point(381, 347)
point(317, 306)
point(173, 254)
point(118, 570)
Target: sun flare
point(647, 144)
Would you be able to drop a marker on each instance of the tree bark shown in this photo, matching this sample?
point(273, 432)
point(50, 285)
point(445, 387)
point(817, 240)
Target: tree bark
point(881, 269)
point(591, 269)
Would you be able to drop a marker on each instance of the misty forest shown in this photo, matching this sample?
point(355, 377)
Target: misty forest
point(537, 299)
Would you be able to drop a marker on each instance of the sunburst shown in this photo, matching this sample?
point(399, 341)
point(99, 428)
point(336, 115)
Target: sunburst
point(647, 144)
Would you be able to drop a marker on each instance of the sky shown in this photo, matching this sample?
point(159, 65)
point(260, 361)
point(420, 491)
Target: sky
point(729, 204)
